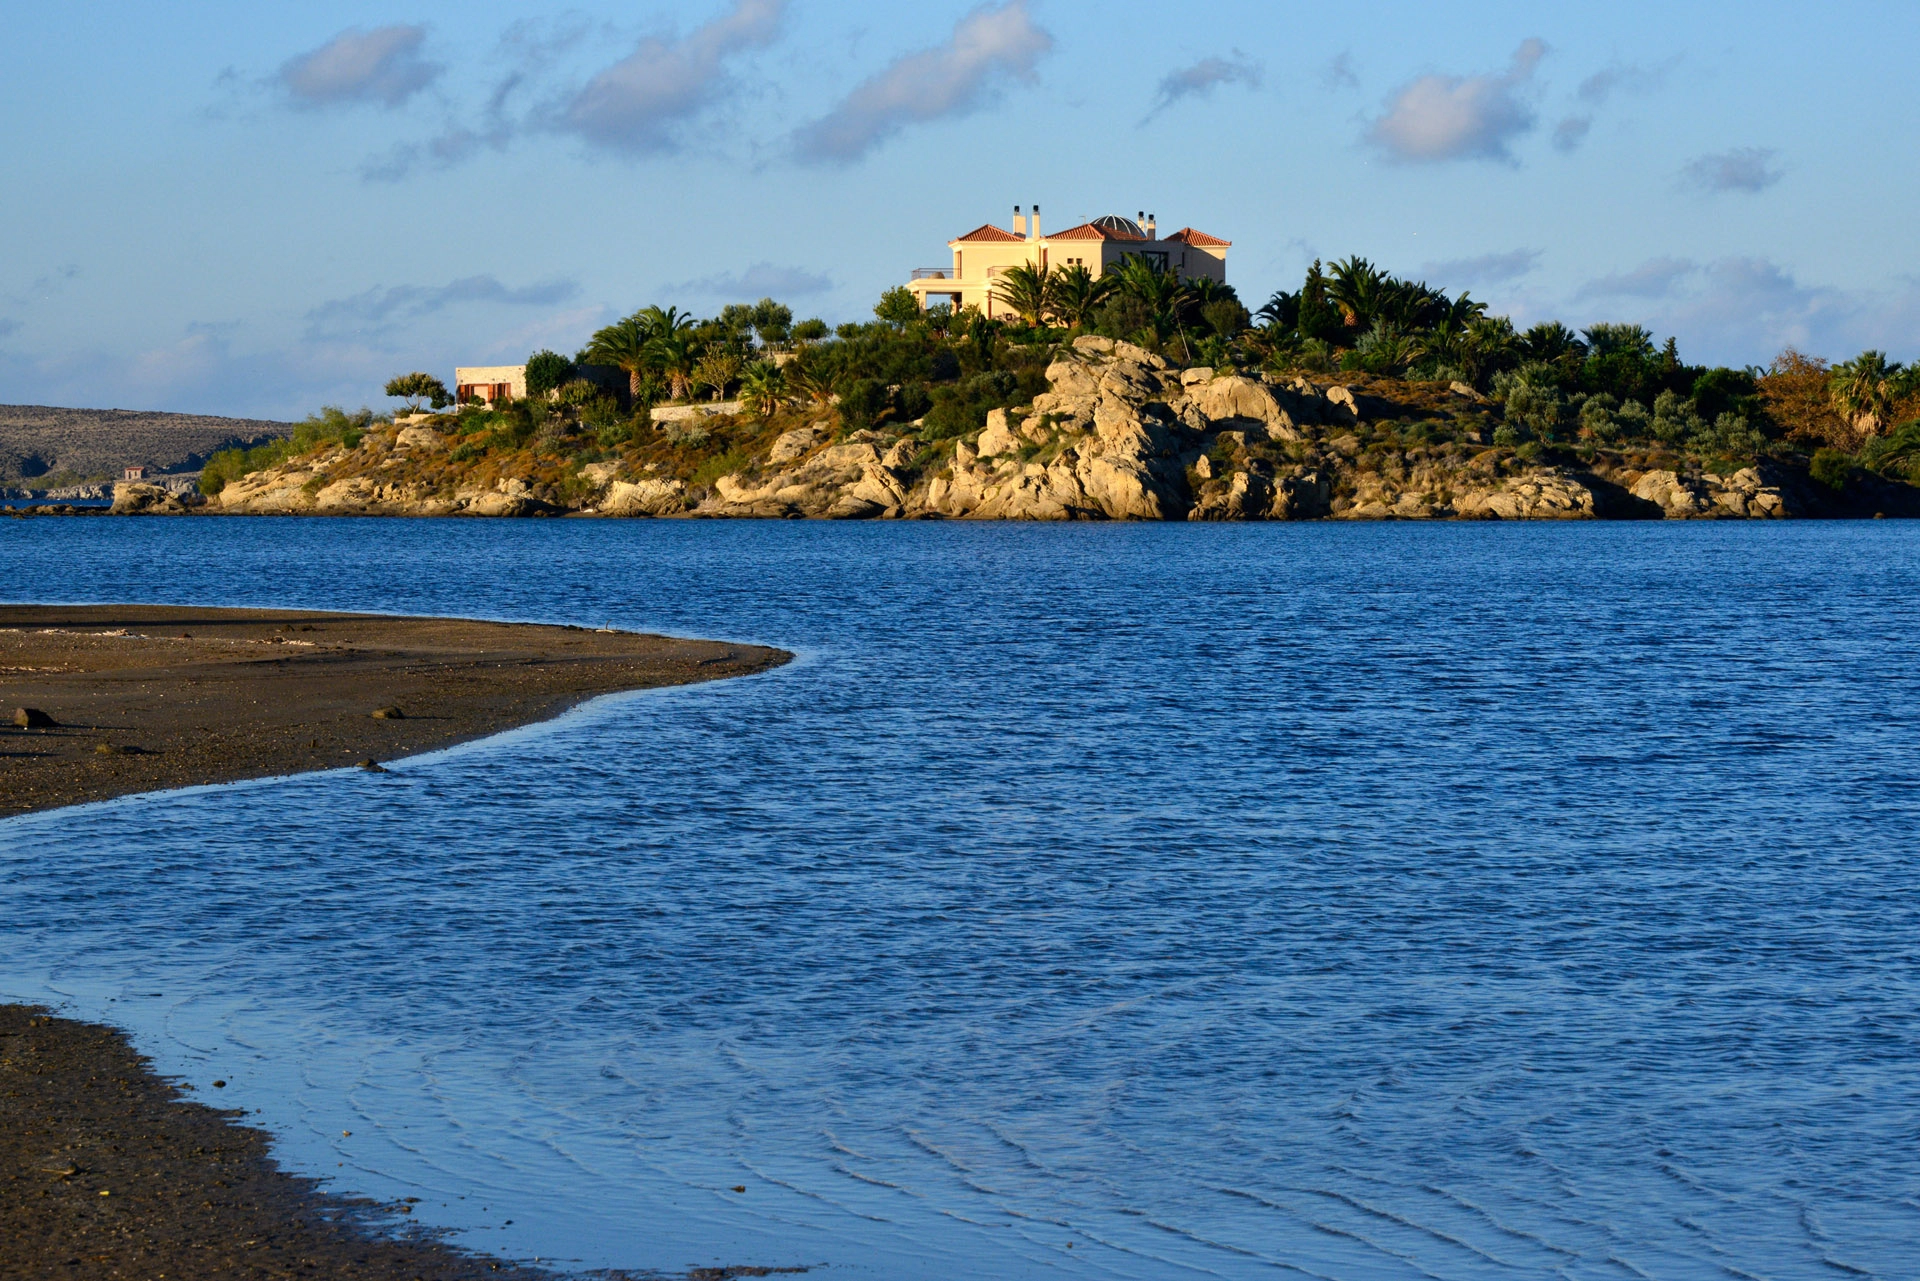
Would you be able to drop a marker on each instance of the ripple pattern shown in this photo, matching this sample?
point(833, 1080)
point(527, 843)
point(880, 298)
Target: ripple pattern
point(1114, 902)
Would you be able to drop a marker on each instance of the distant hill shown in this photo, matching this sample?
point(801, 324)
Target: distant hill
point(40, 444)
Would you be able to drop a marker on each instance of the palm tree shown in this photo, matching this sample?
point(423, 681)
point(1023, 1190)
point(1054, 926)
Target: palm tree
point(674, 354)
point(763, 387)
point(1620, 340)
point(1077, 295)
point(1488, 346)
point(1027, 289)
point(1863, 390)
point(1165, 296)
point(625, 344)
point(811, 381)
point(1356, 288)
point(1282, 311)
point(1552, 342)
point(1385, 348)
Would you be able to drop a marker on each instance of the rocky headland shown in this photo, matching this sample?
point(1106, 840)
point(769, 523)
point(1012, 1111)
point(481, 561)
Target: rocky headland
point(1118, 434)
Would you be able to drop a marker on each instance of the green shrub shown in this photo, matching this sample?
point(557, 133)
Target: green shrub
point(1832, 468)
point(332, 425)
point(1507, 437)
point(546, 371)
point(720, 465)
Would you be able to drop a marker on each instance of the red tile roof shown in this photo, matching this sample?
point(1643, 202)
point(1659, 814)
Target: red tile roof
point(987, 232)
point(1187, 235)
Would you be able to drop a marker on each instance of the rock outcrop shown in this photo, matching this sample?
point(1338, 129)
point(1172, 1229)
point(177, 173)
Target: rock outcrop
point(1117, 434)
point(1746, 495)
point(135, 498)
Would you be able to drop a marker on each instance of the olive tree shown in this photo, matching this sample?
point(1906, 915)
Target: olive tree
point(416, 387)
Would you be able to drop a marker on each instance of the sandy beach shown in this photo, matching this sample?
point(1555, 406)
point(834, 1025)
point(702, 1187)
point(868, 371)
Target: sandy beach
point(147, 697)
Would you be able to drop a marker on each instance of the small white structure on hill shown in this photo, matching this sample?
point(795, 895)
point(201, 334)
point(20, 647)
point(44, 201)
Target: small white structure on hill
point(489, 383)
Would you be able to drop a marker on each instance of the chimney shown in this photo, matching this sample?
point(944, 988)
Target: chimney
point(1036, 222)
point(1019, 222)
point(1153, 222)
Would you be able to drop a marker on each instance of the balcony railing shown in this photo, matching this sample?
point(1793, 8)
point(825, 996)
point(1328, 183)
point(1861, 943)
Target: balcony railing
point(932, 273)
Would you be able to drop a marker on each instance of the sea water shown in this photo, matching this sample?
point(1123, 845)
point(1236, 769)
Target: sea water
point(1345, 901)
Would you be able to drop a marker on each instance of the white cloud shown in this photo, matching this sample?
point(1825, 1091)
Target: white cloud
point(381, 66)
point(1203, 77)
point(380, 310)
point(761, 280)
point(639, 104)
point(1748, 169)
point(1487, 269)
point(987, 46)
point(1441, 117)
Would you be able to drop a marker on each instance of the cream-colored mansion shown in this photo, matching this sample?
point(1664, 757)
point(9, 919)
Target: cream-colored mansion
point(983, 253)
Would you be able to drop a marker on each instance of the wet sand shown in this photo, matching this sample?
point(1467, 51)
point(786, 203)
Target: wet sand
point(146, 697)
point(107, 1170)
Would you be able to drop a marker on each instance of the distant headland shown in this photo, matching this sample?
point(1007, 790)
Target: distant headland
point(1134, 388)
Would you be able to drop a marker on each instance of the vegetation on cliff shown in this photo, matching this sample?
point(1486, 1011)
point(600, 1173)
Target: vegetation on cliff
point(1443, 384)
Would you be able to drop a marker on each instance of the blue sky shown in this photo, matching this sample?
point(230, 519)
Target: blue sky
point(253, 209)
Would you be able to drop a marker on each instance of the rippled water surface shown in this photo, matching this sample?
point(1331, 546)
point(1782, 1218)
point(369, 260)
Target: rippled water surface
point(1380, 901)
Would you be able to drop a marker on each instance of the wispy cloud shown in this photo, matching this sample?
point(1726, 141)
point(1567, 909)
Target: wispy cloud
point(639, 104)
point(1597, 88)
point(988, 46)
point(1439, 117)
point(1748, 169)
point(761, 280)
point(1339, 73)
point(8, 327)
point(1203, 77)
point(1626, 78)
point(1655, 278)
point(381, 66)
point(1571, 132)
point(1487, 269)
point(380, 310)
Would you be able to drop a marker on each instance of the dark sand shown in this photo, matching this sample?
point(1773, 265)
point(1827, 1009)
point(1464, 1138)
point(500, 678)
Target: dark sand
point(106, 1171)
point(180, 695)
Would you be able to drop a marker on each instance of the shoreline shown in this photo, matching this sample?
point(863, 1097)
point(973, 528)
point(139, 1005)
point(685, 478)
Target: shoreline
point(111, 1169)
point(147, 698)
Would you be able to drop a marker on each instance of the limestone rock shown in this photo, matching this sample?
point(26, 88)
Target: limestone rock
point(789, 445)
point(901, 454)
point(1092, 344)
point(1538, 495)
point(1343, 400)
point(647, 497)
point(136, 498)
point(1127, 352)
point(1242, 399)
point(1197, 375)
point(1678, 497)
point(1243, 496)
point(424, 439)
point(1071, 378)
point(1306, 496)
point(998, 438)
